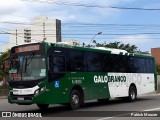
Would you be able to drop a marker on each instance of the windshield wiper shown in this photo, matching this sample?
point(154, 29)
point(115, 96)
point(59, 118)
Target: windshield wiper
point(30, 59)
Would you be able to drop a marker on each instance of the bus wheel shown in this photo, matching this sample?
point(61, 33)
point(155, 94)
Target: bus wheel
point(43, 106)
point(103, 100)
point(75, 99)
point(132, 94)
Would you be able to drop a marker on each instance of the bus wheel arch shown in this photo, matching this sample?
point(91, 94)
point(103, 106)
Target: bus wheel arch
point(132, 92)
point(77, 95)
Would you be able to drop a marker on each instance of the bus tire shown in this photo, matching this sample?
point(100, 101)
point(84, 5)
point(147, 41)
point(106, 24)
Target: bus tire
point(75, 99)
point(103, 100)
point(43, 106)
point(132, 94)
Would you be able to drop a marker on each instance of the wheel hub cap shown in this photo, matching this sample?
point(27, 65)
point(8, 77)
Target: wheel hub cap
point(133, 95)
point(75, 99)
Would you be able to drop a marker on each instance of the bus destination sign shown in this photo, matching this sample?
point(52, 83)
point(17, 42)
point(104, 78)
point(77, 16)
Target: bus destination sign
point(27, 48)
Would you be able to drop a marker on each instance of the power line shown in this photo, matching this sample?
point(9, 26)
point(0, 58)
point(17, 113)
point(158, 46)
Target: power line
point(15, 15)
point(17, 36)
point(104, 26)
point(93, 5)
point(6, 42)
point(141, 33)
point(135, 8)
point(85, 24)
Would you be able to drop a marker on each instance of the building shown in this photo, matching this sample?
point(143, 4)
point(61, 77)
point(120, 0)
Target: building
point(156, 53)
point(4, 48)
point(72, 42)
point(41, 29)
point(20, 35)
point(44, 29)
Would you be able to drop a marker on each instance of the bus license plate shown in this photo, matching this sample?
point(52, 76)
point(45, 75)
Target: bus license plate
point(20, 98)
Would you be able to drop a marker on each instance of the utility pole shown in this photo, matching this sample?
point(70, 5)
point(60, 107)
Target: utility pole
point(16, 36)
point(44, 36)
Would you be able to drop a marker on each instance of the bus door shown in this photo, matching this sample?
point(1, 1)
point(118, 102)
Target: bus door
point(56, 64)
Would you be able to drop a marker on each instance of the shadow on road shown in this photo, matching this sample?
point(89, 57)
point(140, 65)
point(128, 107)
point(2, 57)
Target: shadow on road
point(65, 111)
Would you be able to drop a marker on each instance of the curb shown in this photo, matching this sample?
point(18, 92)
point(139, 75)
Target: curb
point(152, 94)
point(3, 97)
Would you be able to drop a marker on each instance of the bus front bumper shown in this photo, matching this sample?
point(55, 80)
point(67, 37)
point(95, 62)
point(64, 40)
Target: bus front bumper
point(26, 99)
point(21, 99)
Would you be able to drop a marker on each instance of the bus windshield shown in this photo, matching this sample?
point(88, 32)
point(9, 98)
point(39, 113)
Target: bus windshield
point(27, 67)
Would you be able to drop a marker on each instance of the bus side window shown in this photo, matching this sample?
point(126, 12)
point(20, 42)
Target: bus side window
point(131, 65)
point(141, 65)
point(76, 61)
point(121, 63)
point(94, 62)
point(57, 64)
point(108, 62)
point(150, 65)
point(50, 63)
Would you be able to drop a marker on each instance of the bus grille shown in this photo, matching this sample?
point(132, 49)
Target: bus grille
point(21, 97)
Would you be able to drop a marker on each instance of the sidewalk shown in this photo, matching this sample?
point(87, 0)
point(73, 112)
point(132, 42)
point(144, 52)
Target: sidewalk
point(3, 97)
point(153, 94)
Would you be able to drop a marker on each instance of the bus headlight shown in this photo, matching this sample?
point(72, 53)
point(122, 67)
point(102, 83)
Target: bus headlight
point(43, 88)
point(39, 90)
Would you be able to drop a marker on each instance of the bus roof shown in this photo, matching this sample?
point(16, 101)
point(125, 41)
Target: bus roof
point(100, 49)
point(94, 49)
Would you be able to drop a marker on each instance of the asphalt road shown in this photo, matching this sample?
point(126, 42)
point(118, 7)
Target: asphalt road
point(92, 110)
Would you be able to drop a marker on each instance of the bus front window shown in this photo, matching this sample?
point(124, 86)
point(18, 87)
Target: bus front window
point(30, 67)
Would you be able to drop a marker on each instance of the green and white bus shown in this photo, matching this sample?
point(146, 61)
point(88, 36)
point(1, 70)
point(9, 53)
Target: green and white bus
point(45, 73)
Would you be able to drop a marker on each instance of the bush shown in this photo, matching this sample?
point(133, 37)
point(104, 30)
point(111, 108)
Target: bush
point(4, 86)
point(158, 69)
point(1, 78)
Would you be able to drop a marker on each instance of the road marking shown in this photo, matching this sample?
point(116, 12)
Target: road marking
point(105, 118)
point(153, 109)
point(113, 116)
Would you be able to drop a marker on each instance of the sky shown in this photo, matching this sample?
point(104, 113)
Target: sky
point(136, 27)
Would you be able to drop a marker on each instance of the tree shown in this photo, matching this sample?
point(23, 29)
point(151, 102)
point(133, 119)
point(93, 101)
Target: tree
point(3, 57)
point(117, 45)
point(158, 68)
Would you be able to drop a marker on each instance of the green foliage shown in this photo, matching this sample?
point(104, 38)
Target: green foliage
point(4, 86)
point(4, 56)
point(118, 45)
point(158, 68)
